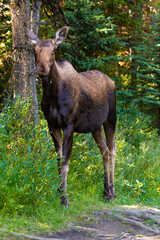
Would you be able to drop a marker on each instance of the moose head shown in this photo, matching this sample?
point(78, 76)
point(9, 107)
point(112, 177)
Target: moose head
point(45, 49)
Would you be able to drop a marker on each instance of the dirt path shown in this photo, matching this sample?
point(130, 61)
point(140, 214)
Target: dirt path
point(125, 224)
point(121, 223)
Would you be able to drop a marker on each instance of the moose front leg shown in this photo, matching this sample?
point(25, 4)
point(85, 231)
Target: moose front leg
point(57, 139)
point(64, 167)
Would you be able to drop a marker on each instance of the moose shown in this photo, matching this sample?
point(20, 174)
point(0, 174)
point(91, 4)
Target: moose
point(76, 102)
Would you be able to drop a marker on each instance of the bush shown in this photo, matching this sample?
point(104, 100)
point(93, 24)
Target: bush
point(28, 167)
point(138, 154)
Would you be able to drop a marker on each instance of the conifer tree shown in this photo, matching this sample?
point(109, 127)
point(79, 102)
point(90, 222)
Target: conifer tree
point(91, 37)
point(148, 74)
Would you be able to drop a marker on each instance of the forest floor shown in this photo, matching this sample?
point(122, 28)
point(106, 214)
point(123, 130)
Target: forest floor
point(116, 224)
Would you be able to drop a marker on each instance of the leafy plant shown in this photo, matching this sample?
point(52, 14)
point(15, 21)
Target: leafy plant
point(28, 167)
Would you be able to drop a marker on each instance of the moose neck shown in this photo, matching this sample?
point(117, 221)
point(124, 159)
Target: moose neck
point(54, 74)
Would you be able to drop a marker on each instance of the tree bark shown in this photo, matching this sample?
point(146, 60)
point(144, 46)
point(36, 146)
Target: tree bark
point(23, 73)
point(21, 52)
point(35, 16)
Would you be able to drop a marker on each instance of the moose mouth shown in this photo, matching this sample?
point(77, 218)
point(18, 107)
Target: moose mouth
point(43, 75)
point(41, 71)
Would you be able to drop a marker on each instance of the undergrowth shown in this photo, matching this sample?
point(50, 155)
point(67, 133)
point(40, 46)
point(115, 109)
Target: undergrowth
point(29, 176)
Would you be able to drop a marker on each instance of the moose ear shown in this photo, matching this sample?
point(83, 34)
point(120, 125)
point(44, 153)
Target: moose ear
point(32, 36)
point(61, 35)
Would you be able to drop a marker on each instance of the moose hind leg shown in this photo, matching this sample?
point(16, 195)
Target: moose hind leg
point(110, 140)
point(101, 143)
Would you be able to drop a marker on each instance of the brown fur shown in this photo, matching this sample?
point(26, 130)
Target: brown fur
point(77, 102)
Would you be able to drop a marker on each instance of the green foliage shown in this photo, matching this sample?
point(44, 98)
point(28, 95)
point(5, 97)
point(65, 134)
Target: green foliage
point(29, 200)
point(138, 153)
point(28, 169)
point(91, 37)
point(5, 47)
point(86, 166)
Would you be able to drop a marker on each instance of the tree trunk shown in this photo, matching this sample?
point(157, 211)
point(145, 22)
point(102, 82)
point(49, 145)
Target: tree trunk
point(35, 15)
point(134, 41)
point(23, 73)
point(20, 11)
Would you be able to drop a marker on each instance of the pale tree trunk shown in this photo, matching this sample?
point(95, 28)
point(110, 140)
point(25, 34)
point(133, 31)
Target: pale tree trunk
point(20, 11)
point(23, 73)
point(35, 15)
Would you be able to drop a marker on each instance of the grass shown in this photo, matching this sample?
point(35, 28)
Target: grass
point(53, 217)
point(29, 200)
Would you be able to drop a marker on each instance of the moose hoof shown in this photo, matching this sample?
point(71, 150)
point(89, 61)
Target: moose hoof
point(64, 201)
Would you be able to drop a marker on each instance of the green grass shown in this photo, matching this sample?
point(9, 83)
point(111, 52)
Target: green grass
point(53, 217)
point(29, 200)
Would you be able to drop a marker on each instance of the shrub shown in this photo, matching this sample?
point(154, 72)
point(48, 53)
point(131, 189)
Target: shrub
point(28, 169)
point(138, 153)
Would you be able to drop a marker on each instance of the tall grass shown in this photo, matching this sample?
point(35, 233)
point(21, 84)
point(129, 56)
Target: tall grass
point(138, 157)
point(28, 166)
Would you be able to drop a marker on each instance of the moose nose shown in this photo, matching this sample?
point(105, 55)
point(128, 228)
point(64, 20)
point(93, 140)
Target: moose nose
point(40, 70)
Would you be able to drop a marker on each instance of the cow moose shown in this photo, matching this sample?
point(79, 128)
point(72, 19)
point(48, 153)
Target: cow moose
point(76, 102)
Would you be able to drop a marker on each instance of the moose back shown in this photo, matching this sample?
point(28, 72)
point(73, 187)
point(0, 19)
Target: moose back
point(76, 102)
